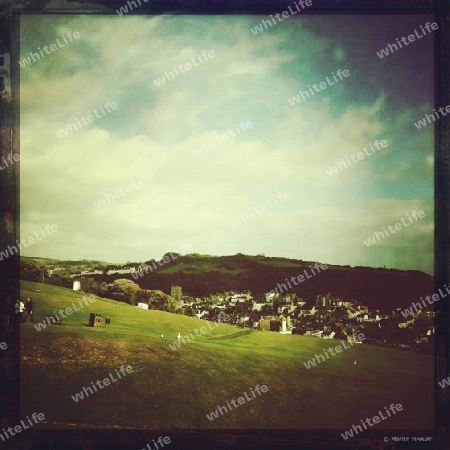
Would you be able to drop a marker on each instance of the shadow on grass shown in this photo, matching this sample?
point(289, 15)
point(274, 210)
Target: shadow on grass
point(232, 336)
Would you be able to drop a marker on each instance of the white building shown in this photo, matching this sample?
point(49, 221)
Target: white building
point(258, 306)
point(142, 305)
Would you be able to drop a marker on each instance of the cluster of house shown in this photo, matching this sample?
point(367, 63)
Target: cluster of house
point(331, 317)
point(72, 272)
point(124, 270)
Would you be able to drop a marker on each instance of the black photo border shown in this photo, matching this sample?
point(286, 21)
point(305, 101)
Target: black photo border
point(211, 439)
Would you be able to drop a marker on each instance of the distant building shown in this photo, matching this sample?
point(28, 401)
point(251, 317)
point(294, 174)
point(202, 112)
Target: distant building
point(284, 328)
point(269, 324)
point(328, 300)
point(200, 314)
point(77, 285)
point(257, 306)
point(142, 305)
point(264, 324)
point(260, 297)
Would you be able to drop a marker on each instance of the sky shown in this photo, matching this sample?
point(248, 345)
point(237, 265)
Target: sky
point(191, 198)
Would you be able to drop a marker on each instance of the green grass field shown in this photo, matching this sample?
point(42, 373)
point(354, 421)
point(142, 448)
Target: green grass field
point(175, 389)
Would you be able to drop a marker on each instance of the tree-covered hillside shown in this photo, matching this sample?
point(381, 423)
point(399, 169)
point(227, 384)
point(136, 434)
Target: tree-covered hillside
point(201, 275)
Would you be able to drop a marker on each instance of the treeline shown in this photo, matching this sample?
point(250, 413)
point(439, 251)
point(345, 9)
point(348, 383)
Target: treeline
point(33, 271)
point(127, 291)
point(383, 289)
point(122, 290)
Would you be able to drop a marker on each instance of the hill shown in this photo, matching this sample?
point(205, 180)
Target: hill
point(199, 275)
point(170, 389)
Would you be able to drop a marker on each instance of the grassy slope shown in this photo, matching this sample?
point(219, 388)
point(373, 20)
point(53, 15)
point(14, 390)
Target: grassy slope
point(176, 389)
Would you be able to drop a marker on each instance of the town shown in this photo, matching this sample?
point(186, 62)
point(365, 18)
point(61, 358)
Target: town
point(323, 315)
point(331, 317)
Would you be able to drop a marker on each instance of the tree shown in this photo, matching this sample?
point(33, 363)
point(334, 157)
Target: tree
point(103, 289)
point(58, 280)
point(30, 271)
point(172, 304)
point(124, 290)
point(143, 296)
point(159, 300)
point(89, 285)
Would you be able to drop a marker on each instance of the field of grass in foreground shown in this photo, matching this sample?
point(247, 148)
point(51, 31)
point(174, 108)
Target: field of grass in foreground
point(176, 389)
